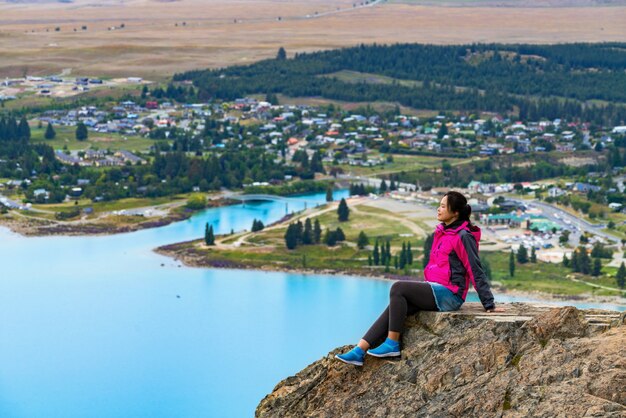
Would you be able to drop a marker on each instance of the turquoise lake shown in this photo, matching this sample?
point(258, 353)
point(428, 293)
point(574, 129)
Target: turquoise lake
point(104, 327)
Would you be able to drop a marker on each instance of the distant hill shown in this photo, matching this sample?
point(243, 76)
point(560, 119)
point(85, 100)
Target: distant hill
point(539, 80)
point(514, 3)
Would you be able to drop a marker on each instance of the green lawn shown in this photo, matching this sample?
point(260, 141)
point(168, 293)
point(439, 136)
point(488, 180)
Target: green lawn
point(546, 277)
point(65, 137)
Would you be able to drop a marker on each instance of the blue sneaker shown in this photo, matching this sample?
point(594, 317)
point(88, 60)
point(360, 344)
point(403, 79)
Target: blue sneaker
point(354, 356)
point(389, 348)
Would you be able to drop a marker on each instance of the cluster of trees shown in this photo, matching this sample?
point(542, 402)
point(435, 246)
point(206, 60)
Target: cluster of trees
point(382, 256)
point(496, 78)
point(20, 158)
point(361, 189)
point(303, 234)
point(582, 263)
point(308, 167)
point(331, 238)
point(393, 180)
point(257, 225)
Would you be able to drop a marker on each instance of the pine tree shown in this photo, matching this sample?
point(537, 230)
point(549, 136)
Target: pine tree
point(209, 236)
point(533, 255)
point(362, 240)
point(409, 253)
point(383, 187)
point(376, 254)
point(282, 54)
point(343, 211)
point(428, 243)
point(566, 261)
point(512, 264)
point(574, 261)
point(329, 194)
point(23, 130)
point(584, 262)
point(81, 132)
point(402, 260)
point(307, 235)
point(597, 267)
point(50, 132)
point(291, 237)
point(317, 232)
point(395, 262)
point(340, 235)
point(369, 260)
point(522, 255)
point(620, 277)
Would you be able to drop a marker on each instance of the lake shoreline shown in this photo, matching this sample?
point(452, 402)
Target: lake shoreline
point(180, 253)
point(28, 226)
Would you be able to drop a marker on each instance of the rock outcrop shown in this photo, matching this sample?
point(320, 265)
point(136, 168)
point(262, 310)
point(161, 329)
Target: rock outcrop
point(531, 360)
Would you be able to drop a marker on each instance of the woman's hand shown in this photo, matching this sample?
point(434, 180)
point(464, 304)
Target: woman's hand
point(496, 310)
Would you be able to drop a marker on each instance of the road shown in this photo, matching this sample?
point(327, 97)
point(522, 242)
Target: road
point(579, 224)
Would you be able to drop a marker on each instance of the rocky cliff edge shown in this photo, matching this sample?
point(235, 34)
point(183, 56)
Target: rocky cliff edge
point(531, 360)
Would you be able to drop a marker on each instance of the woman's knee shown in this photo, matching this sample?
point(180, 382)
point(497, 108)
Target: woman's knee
point(397, 289)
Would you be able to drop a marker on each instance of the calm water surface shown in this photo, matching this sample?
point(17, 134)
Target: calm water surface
point(104, 327)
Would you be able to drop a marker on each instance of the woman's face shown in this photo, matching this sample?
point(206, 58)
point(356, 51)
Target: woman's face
point(443, 212)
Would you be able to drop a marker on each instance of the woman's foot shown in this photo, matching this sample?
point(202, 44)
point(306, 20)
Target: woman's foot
point(389, 348)
point(354, 356)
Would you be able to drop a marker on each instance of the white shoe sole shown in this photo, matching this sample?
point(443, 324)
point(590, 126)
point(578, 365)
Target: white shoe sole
point(354, 363)
point(393, 354)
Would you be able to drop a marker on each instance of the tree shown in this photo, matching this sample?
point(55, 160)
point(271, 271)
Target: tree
point(340, 234)
point(522, 255)
point(409, 253)
point(376, 254)
point(584, 262)
point(196, 202)
point(329, 194)
point(343, 211)
point(383, 187)
point(597, 267)
point(362, 241)
point(282, 54)
point(330, 238)
point(428, 243)
point(564, 238)
point(23, 130)
point(620, 277)
point(291, 237)
point(369, 260)
point(81, 132)
point(257, 225)
point(307, 234)
point(566, 261)
point(533, 255)
point(512, 264)
point(209, 236)
point(317, 232)
point(50, 133)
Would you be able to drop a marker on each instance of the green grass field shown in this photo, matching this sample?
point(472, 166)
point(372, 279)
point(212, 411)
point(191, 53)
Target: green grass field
point(66, 137)
point(546, 277)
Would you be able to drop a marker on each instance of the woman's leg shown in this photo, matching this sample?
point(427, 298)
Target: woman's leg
point(405, 298)
point(408, 298)
point(377, 332)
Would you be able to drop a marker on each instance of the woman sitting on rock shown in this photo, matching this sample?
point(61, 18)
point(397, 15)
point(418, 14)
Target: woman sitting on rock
point(453, 264)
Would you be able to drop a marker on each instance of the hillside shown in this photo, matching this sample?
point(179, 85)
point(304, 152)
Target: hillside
point(529, 361)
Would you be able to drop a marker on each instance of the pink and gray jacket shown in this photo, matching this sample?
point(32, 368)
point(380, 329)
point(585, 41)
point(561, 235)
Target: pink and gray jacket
point(454, 261)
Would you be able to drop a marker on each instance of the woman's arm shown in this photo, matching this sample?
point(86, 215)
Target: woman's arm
point(468, 253)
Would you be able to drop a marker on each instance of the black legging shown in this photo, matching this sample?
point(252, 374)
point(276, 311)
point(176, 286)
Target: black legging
point(405, 298)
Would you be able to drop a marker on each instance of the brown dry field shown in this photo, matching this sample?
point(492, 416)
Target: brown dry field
point(152, 46)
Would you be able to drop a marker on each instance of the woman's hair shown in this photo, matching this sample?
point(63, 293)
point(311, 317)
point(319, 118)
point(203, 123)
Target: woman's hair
point(458, 203)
